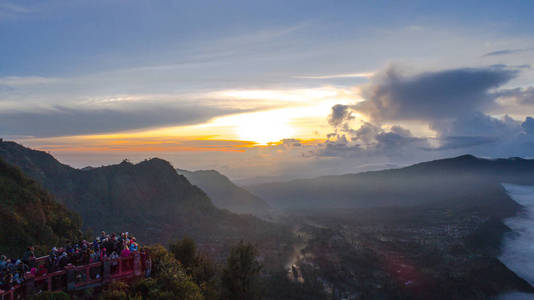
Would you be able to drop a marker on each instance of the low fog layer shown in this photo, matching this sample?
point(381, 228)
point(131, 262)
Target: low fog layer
point(518, 250)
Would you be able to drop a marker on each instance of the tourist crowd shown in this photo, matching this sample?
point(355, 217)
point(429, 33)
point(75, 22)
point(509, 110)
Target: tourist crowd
point(78, 253)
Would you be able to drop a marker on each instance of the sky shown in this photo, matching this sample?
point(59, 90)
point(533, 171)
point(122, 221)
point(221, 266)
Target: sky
point(268, 90)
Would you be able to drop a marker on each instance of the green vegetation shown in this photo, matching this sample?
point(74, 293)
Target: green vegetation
point(195, 278)
point(30, 216)
point(200, 267)
point(168, 281)
point(185, 251)
point(183, 273)
point(52, 296)
point(241, 275)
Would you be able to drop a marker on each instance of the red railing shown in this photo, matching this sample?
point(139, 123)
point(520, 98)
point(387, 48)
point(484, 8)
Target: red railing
point(14, 293)
point(73, 278)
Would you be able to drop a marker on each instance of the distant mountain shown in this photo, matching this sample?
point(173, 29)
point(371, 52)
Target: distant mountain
point(30, 216)
point(149, 199)
point(461, 182)
point(224, 193)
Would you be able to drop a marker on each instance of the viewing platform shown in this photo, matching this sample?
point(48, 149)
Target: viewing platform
point(75, 278)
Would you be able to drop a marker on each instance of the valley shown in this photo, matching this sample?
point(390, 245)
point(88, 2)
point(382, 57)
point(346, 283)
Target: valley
point(406, 254)
point(429, 230)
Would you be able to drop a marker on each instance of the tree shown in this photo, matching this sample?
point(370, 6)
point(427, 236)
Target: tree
point(241, 274)
point(185, 251)
point(201, 268)
point(116, 291)
point(169, 279)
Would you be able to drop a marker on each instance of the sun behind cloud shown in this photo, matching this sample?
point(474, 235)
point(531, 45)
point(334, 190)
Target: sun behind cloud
point(264, 128)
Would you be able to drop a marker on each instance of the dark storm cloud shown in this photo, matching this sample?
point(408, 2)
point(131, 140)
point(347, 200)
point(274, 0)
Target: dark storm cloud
point(62, 121)
point(431, 95)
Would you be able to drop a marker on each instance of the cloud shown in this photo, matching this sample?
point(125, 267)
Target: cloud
point(505, 52)
point(477, 124)
point(453, 103)
point(367, 140)
point(25, 112)
point(65, 121)
point(337, 76)
point(461, 143)
point(14, 8)
point(18, 81)
point(528, 126)
point(291, 142)
point(393, 96)
point(517, 95)
point(340, 114)
point(9, 11)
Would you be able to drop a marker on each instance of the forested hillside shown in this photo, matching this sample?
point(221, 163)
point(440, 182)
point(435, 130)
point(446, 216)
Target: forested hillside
point(30, 216)
point(148, 198)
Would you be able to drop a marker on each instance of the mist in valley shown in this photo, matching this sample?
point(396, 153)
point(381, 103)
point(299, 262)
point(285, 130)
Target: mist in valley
point(518, 247)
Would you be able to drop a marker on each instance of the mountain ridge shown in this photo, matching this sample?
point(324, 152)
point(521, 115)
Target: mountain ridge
point(224, 193)
point(465, 179)
point(149, 199)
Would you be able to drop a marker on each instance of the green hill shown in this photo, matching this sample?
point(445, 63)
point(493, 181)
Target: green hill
point(30, 216)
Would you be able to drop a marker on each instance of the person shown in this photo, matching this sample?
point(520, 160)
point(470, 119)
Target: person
point(94, 255)
point(114, 255)
point(29, 257)
point(102, 236)
point(116, 244)
point(148, 267)
point(125, 252)
point(8, 281)
point(103, 253)
point(63, 260)
point(108, 245)
point(83, 252)
point(3, 262)
point(133, 245)
point(17, 278)
point(53, 260)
